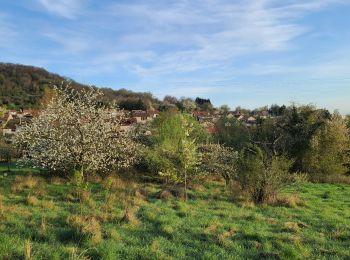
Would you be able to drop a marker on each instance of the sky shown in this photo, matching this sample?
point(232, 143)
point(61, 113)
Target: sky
point(247, 53)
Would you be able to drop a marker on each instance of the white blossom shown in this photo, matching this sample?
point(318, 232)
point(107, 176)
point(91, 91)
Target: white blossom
point(75, 132)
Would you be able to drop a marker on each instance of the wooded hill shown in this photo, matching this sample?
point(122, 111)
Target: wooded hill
point(24, 86)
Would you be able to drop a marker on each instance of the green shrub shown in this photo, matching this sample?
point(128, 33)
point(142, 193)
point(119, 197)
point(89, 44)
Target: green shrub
point(259, 175)
point(328, 150)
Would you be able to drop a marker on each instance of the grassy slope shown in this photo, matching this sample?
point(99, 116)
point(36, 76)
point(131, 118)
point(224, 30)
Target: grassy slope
point(207, 226)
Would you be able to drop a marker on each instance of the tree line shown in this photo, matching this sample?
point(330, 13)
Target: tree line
point(28, 87)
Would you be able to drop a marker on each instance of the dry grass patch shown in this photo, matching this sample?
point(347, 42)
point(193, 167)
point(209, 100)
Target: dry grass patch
point(294, 239)
point(40, 190)
point(290, 238)
point(113, 182)
point(155, 246)
point(32, 200)
point(104, 217)
point(271, 221)
point(224, 236)
point(247, 204)
point(57, 180)
point(197, 187)
point(83, 195)
point(48, 204)
point(212, 228)
point(94, 178)
point(114, 234)
point(70, 197)
point(136, 198)
point(335, 179)
point(43, 226)
point(87, 226)
point(168, 230)
point(3, 209)
point(2, 198)
point(290, 201)
point(27, 250)
point(293, 226)
point(165, 195)
point(341, 235)
point(130, 218)
point(24, 182)
point(74, 254)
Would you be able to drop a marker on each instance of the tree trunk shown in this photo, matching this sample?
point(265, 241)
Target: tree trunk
point(227, 181)
point(8, 163)
point(185, 185)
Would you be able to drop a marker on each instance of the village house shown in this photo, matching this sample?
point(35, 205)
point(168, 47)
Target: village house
point(12, 120)
point(203, 116)
point(143, 116)
point(137, 117)
point(127, 123)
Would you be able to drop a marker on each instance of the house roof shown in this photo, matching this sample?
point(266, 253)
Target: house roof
point(212, 130)
point(13, 123)
point(139, 113)
point(128, 121)
point(201, 113)
point(251, 119)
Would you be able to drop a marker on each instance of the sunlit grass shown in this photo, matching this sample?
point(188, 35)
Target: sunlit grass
point(135, 223)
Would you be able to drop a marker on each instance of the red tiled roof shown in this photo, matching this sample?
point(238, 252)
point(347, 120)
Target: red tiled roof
point(200, 113)
point(212, 130)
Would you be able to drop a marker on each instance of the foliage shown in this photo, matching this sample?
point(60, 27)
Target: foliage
point(224, 109)
point(75, 132)
point(187, 104)
point(299, 125)
point(276, 110)
point(174, 155)
point(7, 152)
point(267, 135)
point(204, 104)
point(27, 86)
point(347, 120)
point(259, 175)
point(232, 133)
point(327, 155)
point(220, 160)
point(171, 124)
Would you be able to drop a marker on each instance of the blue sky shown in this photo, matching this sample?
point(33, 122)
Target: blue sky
point(248, 53)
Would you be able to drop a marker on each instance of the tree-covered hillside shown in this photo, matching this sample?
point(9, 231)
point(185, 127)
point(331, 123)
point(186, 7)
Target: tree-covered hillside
point(25, 86)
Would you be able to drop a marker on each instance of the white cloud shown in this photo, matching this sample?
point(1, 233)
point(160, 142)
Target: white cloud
point(163, 38)
point(70, 42)
point(64, 8)
point(7, 32)
point(200, 34)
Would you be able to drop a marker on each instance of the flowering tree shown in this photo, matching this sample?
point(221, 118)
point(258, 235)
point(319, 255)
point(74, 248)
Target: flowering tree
point(221, 160)
point(76, 133)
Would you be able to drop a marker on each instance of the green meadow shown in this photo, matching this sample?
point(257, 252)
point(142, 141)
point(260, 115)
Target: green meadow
point(44, 217)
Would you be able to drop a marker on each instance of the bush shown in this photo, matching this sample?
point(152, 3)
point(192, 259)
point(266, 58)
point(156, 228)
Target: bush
point(328, 150)
point(219, 160)
point(261, 176)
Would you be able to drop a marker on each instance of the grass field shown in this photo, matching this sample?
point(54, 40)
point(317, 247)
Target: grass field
point(41, 218)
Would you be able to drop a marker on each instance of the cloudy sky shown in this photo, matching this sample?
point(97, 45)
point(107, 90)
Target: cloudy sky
point(249, 53)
